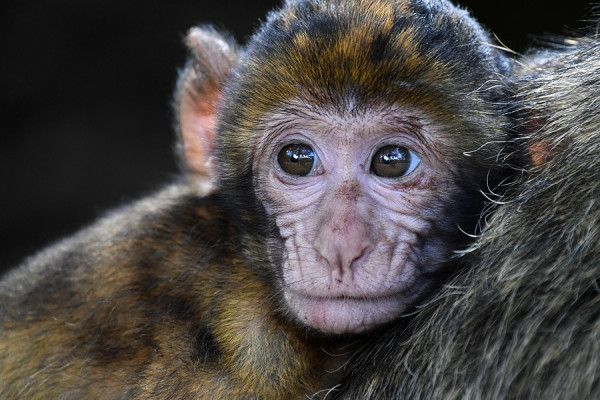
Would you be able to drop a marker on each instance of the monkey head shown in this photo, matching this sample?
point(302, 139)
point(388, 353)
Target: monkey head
point(352, 140)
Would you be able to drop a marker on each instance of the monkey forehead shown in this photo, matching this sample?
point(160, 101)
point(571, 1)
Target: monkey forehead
point(346, 123)
point(325, 50)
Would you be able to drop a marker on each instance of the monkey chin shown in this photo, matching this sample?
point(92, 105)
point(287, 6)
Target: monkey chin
point(345, 314)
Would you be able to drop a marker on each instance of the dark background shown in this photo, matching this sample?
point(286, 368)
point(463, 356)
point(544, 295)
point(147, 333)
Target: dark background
point(85, 91)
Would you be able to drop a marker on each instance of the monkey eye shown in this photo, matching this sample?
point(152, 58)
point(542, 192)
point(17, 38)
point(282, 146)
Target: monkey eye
point(297, 159)
point(394, 161)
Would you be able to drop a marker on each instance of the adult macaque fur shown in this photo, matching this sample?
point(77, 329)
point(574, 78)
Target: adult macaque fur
point(229, 283)
point(522, 319)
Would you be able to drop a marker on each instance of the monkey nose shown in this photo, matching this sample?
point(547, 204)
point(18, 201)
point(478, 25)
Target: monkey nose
point(343, 251)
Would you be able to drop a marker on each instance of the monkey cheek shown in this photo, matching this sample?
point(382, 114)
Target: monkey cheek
point(339, 315)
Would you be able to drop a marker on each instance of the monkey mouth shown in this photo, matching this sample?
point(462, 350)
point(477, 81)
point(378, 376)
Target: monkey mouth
point(345, 314)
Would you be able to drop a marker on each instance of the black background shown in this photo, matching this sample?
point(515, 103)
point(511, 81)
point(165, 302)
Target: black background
point(85, 91)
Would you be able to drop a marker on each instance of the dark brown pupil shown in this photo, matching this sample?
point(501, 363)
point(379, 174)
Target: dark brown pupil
point(391, 161)
point(296, 159)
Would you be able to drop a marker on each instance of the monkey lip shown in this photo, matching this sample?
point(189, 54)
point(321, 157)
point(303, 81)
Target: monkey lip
point(345, 314)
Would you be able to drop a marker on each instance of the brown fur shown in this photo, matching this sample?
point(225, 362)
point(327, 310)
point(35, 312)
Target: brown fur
point(152, 301)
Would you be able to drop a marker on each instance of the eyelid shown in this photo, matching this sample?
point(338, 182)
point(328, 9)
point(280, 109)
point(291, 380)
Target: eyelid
point(396, 139)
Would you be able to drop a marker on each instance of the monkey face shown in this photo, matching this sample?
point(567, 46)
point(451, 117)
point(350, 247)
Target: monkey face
point(354, 138)
point(355, 198)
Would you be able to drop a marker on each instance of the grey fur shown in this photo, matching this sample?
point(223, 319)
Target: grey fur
point(522, 319)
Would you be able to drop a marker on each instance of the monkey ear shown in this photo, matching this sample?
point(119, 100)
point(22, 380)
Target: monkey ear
point(540, 152)
point(197, 99)
point(539, 147)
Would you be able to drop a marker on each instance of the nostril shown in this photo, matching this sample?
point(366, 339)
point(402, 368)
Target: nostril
point(356, 261)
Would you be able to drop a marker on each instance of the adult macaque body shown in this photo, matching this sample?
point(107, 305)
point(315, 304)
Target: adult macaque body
point(522, 321)
point(331, 167)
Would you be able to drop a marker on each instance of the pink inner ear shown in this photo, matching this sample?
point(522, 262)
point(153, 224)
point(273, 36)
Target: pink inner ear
point(198, 124)
point(198, 143)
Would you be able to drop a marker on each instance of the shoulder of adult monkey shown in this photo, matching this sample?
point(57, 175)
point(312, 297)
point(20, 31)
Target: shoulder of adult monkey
point(155, 300)
point(522, 321)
